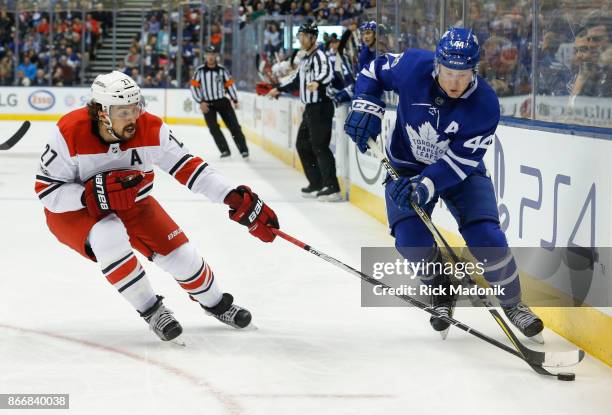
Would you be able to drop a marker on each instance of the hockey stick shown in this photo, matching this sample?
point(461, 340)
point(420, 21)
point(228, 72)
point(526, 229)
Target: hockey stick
point(532, 357)
point(538, 361)
point(16, 137)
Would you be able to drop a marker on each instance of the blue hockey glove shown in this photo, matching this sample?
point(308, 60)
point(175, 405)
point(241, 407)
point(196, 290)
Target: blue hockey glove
point(341, 96)
point(417, 189)
point(364, 120)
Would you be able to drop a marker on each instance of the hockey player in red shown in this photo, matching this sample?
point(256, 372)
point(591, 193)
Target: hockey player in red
point(94, 180)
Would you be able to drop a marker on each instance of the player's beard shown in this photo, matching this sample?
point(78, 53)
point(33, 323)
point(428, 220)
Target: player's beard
point(127, 132)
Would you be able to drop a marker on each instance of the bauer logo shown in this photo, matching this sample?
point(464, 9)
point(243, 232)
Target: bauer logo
point(41, 100)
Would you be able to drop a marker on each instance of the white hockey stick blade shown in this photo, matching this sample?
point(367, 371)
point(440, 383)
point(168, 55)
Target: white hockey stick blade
point(563, 359)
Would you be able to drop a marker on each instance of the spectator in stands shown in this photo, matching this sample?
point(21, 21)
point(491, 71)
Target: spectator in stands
point(161, 79)
point(151, 60)
point(148, 82)
point(64, 74)
point(272, 38)
point(132, 59)
point(104, 17)
point(154, 25)
point(6, 78)
point(93, 32)
point(21, 79)
point(591, 75)
point(43, 27)
point(40, 79)
point(216, 36)
point(136, 76)
point(27, 68)
point(553, 76)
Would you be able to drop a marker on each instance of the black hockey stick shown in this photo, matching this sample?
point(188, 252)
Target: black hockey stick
point(534, 358)
point(560, 359)
point(16, 137)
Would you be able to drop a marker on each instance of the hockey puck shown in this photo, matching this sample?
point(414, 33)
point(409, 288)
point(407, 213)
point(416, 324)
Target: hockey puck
point(566, 376)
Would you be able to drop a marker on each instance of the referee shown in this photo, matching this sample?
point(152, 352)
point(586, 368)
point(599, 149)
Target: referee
point(314, 135)
point(209, 84)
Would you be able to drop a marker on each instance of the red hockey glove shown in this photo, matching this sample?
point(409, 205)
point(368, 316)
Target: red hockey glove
point(111, 190)
point(249, 210)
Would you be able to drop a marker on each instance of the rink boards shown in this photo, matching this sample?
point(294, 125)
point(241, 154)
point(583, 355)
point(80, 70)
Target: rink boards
point(553, 189)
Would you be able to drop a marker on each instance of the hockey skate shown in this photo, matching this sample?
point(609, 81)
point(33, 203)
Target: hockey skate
point(229, 313)
point(329, 194)
point(526, 321)
point(162, 322)
point(310, 192)
point(445, 305)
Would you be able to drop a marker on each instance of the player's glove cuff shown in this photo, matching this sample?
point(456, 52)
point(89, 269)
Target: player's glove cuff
point(369, 104)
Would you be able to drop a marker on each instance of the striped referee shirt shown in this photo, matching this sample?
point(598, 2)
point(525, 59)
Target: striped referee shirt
point(314, 67)
point(210, 84)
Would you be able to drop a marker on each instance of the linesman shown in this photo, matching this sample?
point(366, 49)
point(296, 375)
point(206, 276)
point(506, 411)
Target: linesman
point(209, 85)
point(314, 135)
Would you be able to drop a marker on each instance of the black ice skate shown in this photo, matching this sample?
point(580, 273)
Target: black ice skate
point(310, 192)
point(162, 322)
point(329, 194)
point(526, 321)
point(445, 305)
point(229, 313)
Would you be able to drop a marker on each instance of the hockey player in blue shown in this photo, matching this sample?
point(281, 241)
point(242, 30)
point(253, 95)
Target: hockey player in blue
point(367, 53)
point(446, 119)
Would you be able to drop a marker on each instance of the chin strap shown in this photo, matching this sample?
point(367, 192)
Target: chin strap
point(108, 125)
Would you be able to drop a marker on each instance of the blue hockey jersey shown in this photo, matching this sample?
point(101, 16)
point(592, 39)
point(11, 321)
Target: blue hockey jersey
point(366, 55)
point(439, 137)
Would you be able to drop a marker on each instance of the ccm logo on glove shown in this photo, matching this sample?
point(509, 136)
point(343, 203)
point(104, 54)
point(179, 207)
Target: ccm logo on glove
point(367, 106)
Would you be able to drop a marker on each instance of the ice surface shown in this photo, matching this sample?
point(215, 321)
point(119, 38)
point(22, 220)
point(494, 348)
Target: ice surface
point(64, 329)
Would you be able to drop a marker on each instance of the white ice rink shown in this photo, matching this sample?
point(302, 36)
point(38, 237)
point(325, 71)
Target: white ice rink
point(65, 329)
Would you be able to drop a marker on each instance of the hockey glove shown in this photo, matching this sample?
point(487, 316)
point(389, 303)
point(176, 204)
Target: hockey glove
point(364, 120)
point(111, 190)
point(341, 97)
point(249, 210)
point(417, 189)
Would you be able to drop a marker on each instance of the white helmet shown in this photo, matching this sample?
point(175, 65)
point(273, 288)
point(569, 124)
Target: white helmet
point(115, 88)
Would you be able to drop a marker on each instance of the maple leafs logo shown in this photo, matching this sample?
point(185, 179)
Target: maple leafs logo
point(425, 145)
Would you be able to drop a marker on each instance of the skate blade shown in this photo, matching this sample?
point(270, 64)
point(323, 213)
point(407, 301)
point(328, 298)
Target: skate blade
point(250, 327)
point(444, 333)
point(335, 198)
point(537, 339)
point(178, 341)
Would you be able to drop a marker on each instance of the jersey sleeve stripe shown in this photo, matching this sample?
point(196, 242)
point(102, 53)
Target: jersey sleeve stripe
point(462, 160)
point(47, 190)
point(46, 179)
point(182, 161)
point(186, 171)
point(196, 174)
point(455, 168)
